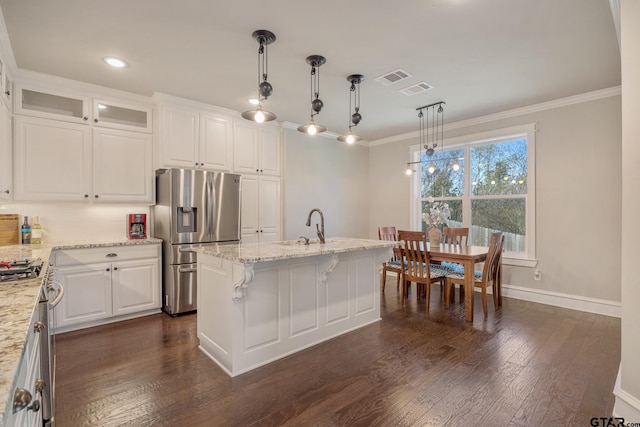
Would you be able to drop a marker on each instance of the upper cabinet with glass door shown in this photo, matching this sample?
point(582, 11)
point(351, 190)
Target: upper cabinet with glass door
point(119, 115)
point(71, 107)
point(52, 104)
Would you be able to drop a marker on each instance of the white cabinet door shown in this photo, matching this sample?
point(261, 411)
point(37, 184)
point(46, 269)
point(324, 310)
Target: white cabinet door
point(7, 89)
point(269, 150)
point(245, 148)
point(178, 137)
point(52, 160)
point(122, 166)
point(215, 151)
point(87, 294)
point(260, 209)
point(135, 286)
point(6, 158)
point(250, 212)
point(269, 207)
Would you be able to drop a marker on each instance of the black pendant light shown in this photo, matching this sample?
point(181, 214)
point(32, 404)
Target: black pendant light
point(264, 38)
point(354, 92)
point(437, 134)
point(312, 128)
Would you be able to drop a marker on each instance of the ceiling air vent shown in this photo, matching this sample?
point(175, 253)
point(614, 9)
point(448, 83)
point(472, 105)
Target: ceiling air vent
point(393, 77)
point(416, 88)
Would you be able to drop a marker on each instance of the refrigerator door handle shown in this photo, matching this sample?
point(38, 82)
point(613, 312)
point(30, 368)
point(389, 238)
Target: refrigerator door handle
point(185, 250)
point(187, 270)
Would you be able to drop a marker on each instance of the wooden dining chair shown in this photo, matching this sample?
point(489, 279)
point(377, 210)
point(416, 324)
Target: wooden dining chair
point(455, 236)
point(490, 274)
point(393, 265)
point(416, 267)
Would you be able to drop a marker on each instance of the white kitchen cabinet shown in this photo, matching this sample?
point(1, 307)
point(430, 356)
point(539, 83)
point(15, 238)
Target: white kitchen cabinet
point(87, 294)
point(40, 101)
point(6, 159)
point(107, 284)
point(52, 160)
point(53, 104)
point(122, 115)
point(256, 148)
point(193, 138)
point(122, 166)
point(7, 89)
point(260, 209)
point(60, 161)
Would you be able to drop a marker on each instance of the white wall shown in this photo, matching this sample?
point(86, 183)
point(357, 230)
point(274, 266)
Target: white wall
point(321, 172)
point(627, 389)
point(578, 184)
point(65, 222)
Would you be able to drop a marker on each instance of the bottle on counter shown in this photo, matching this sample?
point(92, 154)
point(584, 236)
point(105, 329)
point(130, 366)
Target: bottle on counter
point(36, 232)
point(25, 232)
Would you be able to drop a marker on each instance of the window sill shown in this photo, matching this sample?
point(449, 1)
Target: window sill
point(519, 262)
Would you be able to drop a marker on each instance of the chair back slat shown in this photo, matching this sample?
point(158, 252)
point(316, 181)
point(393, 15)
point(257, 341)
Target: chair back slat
point(456, 236)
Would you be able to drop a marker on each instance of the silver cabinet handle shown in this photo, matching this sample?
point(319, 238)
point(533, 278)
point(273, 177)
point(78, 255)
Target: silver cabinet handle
point(21, 400)
point(59, 296)
point(187, 270)
point(115, 268)
point(112, 255)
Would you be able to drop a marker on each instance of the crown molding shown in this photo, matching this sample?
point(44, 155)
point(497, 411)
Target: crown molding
point(562, 102)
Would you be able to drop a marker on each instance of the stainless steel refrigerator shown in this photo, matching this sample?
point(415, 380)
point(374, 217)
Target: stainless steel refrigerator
point(193, 207)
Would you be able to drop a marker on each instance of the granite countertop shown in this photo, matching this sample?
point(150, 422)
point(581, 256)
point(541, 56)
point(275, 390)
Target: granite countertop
point(249, 253)
point(19, 299)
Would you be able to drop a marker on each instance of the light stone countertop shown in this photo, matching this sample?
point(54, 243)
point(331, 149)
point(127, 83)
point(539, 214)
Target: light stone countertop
point(19, 299)
point(250, 253)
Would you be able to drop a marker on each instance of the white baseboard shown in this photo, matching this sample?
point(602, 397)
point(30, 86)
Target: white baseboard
point(574, 302)
point(626, 406)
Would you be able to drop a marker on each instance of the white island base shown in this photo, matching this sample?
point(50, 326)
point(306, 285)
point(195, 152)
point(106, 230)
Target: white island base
point(254, 309)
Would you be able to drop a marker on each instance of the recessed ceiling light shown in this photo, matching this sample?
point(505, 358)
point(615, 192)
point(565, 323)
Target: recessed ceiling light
point(115, 62)
point(254, 101)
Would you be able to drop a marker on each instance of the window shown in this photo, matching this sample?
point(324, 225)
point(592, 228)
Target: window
point(489, 183)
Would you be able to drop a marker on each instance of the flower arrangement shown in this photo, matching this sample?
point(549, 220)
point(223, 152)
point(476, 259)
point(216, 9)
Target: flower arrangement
point(438, 213)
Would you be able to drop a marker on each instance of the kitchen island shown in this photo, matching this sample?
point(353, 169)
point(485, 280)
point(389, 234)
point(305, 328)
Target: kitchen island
point(260, 302)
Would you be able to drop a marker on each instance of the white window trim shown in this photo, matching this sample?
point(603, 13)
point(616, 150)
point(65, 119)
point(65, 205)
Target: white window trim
point(493, 136)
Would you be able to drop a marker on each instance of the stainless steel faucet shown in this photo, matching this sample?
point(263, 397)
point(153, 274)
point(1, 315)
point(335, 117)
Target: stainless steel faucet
point(319, 230)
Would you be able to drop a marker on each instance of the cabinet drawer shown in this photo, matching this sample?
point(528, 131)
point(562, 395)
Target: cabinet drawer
point(106, 254)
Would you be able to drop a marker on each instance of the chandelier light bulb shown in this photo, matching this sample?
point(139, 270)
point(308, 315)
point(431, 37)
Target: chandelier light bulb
point(350, 139)
point(431, 168)
point(259, 116)
point(455, 166)
point(409, 171)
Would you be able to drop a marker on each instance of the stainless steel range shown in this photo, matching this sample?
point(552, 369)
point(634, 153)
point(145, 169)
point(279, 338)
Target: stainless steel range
point(20, 269)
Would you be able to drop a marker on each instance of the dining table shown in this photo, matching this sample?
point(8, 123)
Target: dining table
point(468, 256)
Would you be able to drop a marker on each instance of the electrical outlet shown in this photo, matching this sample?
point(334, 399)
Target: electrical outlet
point(537, 275)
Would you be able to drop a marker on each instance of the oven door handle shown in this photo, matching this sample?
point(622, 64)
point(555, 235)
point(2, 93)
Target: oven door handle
point(58, 297)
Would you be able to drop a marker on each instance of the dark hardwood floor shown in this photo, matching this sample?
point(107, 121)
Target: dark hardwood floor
point(526, 365)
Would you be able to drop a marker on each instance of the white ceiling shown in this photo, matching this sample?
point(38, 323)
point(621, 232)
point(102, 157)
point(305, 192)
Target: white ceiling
point(481, 57)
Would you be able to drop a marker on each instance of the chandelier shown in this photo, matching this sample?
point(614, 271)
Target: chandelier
point(431, 133)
